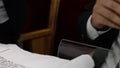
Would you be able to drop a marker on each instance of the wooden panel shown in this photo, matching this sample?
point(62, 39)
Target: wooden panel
point(41, 45)
point(34, 34)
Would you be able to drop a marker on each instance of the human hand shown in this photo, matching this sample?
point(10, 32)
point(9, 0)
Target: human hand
point(106, 13)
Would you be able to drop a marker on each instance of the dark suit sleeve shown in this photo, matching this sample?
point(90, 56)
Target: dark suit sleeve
point(82, 21)
point(105, 40)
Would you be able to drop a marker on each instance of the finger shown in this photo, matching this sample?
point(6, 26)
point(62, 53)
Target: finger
point(106, 22)
point(102, 21)
point(109, 16)
point(118, 1)
point(109, 23)
point(113, 6)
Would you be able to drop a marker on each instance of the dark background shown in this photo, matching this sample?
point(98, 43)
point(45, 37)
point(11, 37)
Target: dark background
point(37, 15)
point(69, 12)
point(66, 25)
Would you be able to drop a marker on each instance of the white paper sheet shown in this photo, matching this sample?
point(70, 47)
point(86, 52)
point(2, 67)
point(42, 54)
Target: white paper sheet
point(12, 55)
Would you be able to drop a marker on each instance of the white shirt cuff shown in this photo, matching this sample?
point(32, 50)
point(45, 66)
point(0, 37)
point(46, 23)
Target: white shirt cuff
point(92, 32)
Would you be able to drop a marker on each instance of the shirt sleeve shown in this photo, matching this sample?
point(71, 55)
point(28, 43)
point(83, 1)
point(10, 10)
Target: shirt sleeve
point(83, 61)
point(92, 32)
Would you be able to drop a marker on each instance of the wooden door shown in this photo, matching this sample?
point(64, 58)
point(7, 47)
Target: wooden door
point(38, 32)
